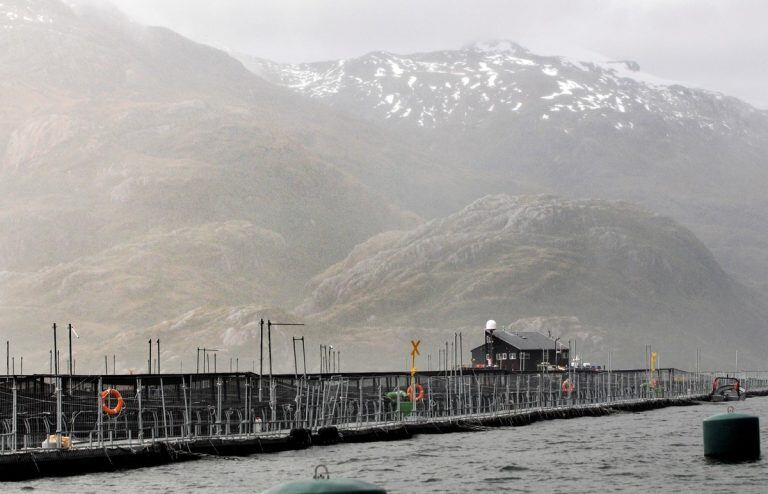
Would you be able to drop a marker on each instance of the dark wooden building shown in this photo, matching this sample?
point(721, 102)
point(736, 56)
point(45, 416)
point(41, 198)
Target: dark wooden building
point(516, 351)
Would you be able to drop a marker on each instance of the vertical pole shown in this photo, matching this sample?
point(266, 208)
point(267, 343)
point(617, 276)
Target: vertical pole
point(158, 357)
point(149, 360)
point(14, 426)
point(55, 351)
point(186, 405)
point(70, 348)
point(218, 404)
point(269, 344)
point(50, 361)
point(100, 416)
point(106, 367)
point(295, 365)
point(261, 353)
point(304, 356)
point(272, 401)
point(138, 399)
point(162, 399)
point(214, 362)
point(7, 358)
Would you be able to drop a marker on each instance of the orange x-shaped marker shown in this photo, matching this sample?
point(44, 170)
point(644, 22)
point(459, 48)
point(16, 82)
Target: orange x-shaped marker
point(415, 345)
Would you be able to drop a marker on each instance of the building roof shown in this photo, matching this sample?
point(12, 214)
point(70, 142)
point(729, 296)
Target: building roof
point(526, 340)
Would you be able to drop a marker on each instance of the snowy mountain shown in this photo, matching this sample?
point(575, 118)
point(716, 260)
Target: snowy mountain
point(524, 123)
point(471, 85)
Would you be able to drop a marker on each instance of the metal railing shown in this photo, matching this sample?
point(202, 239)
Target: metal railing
point(69, 411)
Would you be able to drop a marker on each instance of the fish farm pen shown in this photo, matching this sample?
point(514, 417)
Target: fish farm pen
point(57, 425)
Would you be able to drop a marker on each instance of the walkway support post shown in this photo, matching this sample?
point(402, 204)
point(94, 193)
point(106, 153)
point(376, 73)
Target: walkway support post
point(162, 400)
point(14, 426)
point(140, 423)
point(100, 421)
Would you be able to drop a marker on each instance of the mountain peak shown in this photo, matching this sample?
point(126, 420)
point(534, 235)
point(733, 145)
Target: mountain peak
point(485, 82)
point(497, 46)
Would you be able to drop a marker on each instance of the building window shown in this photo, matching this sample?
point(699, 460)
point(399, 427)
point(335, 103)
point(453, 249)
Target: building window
point(512, 356)
point(501, 356)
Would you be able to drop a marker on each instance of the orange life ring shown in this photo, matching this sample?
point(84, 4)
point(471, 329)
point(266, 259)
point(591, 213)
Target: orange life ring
point(567, 386)
point(115, 394)
point(419, 392)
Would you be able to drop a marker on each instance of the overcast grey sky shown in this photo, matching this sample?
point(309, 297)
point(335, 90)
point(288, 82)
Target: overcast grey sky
point(720, 45)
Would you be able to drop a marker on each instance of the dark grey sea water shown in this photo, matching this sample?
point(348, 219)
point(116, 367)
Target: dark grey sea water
point(657, 451)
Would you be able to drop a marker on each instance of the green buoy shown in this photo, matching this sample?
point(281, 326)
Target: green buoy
point(322, 484)
point(732, 436)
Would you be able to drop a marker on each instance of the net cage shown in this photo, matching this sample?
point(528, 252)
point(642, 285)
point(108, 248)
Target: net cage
point(90, 411)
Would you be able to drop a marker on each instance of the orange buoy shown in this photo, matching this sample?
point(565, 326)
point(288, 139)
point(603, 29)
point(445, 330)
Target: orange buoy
point(112, 411)
point(419, 392)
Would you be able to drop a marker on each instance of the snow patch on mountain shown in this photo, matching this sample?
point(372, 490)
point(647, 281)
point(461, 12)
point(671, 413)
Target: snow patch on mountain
point(493, 79)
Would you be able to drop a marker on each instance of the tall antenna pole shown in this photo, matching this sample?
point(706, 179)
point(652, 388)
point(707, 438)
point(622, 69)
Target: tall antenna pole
point(149, 360)
point(7, 358)
point(158, 355)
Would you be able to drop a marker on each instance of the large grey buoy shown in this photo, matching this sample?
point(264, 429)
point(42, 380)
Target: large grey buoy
point(336, 486)
point(732, 436)
point(322, 484)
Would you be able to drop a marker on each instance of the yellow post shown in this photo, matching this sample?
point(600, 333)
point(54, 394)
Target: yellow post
point(653, 367)
point(414, 352)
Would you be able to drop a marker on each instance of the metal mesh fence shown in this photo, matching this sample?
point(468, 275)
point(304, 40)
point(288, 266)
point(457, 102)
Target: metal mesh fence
point(82, 411)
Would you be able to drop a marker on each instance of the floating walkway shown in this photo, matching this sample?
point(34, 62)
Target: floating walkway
point(172, 418)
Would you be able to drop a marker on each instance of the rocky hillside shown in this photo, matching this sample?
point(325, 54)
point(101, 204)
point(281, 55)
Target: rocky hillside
point(152, 187)
point(143, 175)
point(640, 277)
point(578, 127)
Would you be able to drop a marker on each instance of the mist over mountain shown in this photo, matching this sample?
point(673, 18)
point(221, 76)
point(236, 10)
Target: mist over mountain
point(583, 127)
point(638, 275)
point(144, 175)
point(151, 186)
